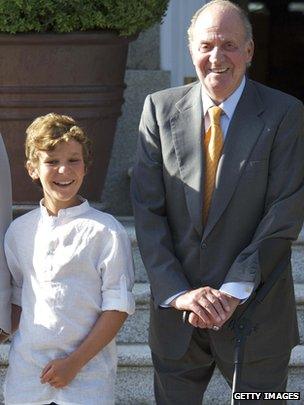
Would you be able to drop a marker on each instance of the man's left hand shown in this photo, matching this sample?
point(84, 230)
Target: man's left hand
point(233, 303)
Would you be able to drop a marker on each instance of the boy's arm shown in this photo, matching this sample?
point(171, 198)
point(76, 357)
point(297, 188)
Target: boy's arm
point(60, 372)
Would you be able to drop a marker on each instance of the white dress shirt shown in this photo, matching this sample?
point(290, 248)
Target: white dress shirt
point(66, 270)
point(240, 290)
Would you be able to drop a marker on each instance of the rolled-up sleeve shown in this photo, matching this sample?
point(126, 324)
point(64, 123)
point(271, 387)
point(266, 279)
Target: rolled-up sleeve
point(117, 271)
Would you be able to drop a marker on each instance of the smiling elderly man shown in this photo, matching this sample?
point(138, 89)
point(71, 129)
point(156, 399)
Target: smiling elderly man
point(219, 176)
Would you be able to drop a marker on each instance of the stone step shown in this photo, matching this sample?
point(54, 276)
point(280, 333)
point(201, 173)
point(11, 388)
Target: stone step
point(141, 275)
point(300, 240)
point(140, 272)
point(135, 329)
point(297, 262)
point(299, 294)
point(135, 377)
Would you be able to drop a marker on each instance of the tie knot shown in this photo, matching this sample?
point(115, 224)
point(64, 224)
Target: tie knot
point(215, 115)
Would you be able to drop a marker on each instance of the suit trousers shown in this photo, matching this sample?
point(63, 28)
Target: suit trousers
point(183, 381)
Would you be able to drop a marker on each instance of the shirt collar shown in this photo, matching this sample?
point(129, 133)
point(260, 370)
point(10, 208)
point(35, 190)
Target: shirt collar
point(228, 105)
point(67, 212)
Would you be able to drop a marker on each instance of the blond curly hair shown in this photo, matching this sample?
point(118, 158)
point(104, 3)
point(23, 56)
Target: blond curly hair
point(47, 131)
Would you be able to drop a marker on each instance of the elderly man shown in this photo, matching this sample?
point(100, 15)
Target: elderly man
point(218, 194)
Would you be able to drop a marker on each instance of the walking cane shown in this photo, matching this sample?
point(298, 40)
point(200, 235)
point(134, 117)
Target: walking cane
point(273, 259)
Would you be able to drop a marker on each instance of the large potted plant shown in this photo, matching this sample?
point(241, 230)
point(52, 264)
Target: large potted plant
point(68, 57)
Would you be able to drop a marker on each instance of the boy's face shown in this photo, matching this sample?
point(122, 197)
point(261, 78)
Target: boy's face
point(61, 173)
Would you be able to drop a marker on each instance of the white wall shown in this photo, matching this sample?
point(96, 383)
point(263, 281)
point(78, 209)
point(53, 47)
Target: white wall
point(174, 53)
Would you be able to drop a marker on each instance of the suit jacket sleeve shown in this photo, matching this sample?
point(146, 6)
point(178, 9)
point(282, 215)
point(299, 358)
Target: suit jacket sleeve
point(149, 203)
point(5, 218)
point(284, 202)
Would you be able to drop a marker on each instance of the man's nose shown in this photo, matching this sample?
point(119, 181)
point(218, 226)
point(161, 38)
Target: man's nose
point(216, 55)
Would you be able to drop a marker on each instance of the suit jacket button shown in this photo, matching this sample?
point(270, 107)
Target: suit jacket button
point(204, 245)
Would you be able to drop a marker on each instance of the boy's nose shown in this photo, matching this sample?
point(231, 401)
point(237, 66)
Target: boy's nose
point(62, 169)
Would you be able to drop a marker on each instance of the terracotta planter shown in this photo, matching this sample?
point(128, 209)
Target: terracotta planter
point(79, 74)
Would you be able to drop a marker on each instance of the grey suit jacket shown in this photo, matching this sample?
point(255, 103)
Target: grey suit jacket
point(5, 218)
point(259, 195)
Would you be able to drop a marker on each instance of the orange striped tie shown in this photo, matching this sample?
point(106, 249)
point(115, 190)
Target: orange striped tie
point(213, 144)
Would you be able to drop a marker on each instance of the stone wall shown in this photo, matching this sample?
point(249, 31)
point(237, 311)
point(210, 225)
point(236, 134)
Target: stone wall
point(143, 76)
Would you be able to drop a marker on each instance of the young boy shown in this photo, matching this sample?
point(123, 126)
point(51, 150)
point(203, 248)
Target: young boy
point(72, 275)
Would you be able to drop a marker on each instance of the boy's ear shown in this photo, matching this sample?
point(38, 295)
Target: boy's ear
point(32, 170)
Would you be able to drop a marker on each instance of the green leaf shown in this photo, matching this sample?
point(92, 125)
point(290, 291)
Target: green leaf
point(127, 17)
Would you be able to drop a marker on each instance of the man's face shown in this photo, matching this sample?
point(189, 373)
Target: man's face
point(220, 51)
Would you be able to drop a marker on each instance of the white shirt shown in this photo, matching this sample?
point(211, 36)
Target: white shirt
point(240, 290)
point(66, 270)
point(228, 106)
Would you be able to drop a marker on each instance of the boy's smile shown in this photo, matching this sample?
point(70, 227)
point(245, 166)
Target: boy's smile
point(61, 172)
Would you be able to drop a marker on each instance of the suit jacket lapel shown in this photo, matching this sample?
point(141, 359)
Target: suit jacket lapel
point(186, 127)
point(244, 131)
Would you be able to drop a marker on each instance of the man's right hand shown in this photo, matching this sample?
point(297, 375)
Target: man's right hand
point(208, 307)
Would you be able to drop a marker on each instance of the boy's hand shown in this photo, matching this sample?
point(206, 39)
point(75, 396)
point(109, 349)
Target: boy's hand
point(3, 336)
point(60, 372)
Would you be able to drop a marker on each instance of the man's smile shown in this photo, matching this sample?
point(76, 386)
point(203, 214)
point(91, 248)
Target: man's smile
point(218, 70)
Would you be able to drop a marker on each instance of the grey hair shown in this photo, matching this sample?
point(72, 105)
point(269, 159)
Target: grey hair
point(226, 4)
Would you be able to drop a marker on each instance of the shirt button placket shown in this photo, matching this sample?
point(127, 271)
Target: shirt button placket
point(50, 254)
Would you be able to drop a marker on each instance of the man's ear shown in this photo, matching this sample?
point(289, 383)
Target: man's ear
point(250, 51)
point(32, 170)
point(190, 45)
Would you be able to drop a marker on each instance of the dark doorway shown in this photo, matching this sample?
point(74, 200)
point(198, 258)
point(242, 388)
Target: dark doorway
point(278, 28)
